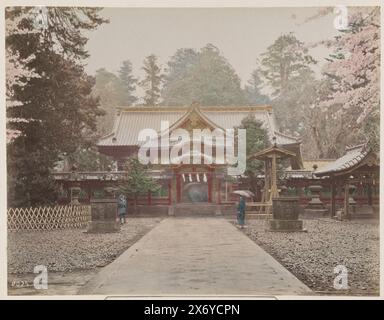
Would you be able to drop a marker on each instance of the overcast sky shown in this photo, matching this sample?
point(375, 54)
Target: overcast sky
point(240, 34)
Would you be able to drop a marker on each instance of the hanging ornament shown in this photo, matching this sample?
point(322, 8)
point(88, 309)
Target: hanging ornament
point(205, 178)
point(197, 177)
point(190, 177)
point(183, 177)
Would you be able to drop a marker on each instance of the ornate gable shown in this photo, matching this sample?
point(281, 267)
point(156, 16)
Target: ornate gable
point(194, 119)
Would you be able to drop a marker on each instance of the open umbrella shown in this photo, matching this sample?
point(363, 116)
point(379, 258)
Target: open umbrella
point(244, 193)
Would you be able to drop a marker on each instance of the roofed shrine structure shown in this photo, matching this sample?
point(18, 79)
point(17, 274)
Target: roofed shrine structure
point(358, 168)
point(123, 140)
point(206, 185)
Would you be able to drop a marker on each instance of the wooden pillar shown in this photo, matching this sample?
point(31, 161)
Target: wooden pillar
point(369, 193)
point(178, 187)
point(346, 199)
point(169, 191)
point(265, 196)
point(149, 200)
point(274, 190)
point(209, 187)
point(333, 198)
point(174, 192)
point(90, 193)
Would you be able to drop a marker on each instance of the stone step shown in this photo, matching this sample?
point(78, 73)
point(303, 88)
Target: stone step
point(253, 212)
point(363, 216)
point(260, 216)
point(195, 209)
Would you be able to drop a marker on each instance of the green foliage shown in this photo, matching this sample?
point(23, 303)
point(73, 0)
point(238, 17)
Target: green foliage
point(111, 93)
point(204, 76)
point(372, 132)
point(176, 79)
point(58, 105)
point(285, 67)
point(114, 91)
point(292, 106)
point(29, 179)
point(138, 181)
point(179, 65)
point(285, 60)
point(89, 159)
point(257, 140)
point(152, 81)
point(253, 90)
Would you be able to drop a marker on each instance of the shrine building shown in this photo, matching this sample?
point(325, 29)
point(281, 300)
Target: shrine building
point(205, 187)
point(185, 183)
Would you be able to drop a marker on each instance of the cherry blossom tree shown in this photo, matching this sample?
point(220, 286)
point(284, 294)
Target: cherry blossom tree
point(345, 108)
point(17, 72)
point(354, 69)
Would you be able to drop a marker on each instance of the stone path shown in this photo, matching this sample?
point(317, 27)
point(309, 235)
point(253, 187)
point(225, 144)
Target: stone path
point(195, 256)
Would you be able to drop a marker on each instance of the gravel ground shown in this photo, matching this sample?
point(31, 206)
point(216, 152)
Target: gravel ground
point(311, 256)
point(70, 250)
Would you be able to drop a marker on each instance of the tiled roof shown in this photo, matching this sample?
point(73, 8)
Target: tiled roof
point(282, 153)
point(131, 120)
point(297, 174)
point(353, 156)
point(320, 163)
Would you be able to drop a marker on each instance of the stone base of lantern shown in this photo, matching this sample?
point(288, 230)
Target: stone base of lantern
point(314, 213)
point(285, 215)
point(103, 227)
point(286, 225)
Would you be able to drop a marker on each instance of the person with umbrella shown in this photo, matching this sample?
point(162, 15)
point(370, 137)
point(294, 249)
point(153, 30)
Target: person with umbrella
point(241, 212)
point(122, 208)
point(241, 206)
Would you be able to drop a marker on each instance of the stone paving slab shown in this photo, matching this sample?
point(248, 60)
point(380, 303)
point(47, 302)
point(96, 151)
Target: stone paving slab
point(195, 256)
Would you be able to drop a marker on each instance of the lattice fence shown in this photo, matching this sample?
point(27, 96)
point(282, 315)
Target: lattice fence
point(48, 218)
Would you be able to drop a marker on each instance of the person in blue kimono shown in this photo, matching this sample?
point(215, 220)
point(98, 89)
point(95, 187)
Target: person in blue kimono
point(122, 208)
point(241, 212)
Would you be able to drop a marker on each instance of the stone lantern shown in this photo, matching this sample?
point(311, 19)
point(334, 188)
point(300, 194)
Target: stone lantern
point(74, 186)
point(351, 191)
point(283, 191)
point(104, 213)
point(351, 202)
point(75, 194)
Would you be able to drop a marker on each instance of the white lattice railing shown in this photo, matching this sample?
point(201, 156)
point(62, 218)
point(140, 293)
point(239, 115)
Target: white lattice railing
point(48, 218)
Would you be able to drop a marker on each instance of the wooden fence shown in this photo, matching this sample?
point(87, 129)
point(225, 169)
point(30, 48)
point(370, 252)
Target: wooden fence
point(48, 218)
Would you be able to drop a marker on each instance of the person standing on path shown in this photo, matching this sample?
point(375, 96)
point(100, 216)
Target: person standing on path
point(241, 212)
point(122, 208)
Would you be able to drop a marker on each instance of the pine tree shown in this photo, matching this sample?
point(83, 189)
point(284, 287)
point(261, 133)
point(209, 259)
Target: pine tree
point(285, 60)
point(257, 140)
point(205, 76)
point(152, 81)
point(253, 90)
point(111, 93)
point(59, 101)
point(129, 83)
point(177, 76)
point(285, 68)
